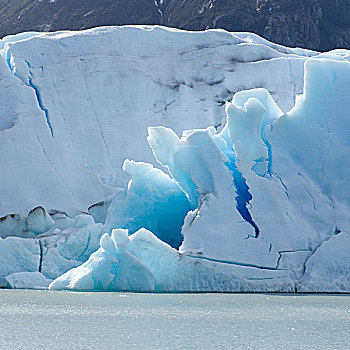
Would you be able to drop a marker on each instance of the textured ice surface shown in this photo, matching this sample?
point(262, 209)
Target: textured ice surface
point(39, 221)
point(108, 269)
point(83, 220)
point(18, 255)
point(14, 225)
point(17, 225)
point(328, 269)
point(152, 200)
point(72, 102)
point(174, 271)
point(27, 280)
point(51, 253)
point(69, 248)
point(150, 264)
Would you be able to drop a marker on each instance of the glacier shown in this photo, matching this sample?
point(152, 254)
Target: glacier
point(237, 180)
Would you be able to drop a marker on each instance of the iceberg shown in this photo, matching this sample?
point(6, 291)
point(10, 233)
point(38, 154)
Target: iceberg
point(27, 280)
point(110, 268)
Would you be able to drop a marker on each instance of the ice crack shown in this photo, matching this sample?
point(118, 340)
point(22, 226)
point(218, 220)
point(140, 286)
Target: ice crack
point(41, 256)
point(235, 263)
point(337, 231)
point(284, 186)
point(40, 103)
point(311, 196)
point(243, 198)
point(281, 252)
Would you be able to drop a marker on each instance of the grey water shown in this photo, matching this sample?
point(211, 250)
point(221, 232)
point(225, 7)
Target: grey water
point(68, 320)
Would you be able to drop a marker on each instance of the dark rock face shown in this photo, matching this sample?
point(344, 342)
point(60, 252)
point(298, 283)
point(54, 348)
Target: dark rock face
point(297, 28)
point(51, 15)
point(314, 24)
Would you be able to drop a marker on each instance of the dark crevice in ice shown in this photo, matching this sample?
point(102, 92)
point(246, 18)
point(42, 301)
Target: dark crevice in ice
point(40, 103)
point(281, 252)
point(294, 251)
point(234, 263)
point(284, 186)
point(311, 196)
point(33, 86)
point(269, 163)
point(53, 212)
point(243, 196)
point(41, 255)
point(279, 259)
point(337, 231)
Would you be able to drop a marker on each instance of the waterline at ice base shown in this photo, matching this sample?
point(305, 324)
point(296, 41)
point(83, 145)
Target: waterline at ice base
point(218, 163)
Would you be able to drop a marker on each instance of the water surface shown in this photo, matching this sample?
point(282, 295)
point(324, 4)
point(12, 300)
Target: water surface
point(68, 320)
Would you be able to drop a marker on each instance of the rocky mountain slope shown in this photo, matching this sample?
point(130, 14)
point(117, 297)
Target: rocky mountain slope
point(319, 24)
point(314, 24)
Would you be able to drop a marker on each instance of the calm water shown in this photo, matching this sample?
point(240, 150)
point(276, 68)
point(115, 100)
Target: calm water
point(62, 320)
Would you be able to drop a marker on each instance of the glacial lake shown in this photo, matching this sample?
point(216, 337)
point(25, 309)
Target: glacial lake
point(69, 320)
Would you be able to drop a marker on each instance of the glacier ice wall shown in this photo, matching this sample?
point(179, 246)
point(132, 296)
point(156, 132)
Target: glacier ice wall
point(288, 233)
point(72, 102)
point(253, 193)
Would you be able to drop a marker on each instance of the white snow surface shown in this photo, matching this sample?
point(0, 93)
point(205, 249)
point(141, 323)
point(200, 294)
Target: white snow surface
point(256, 175)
